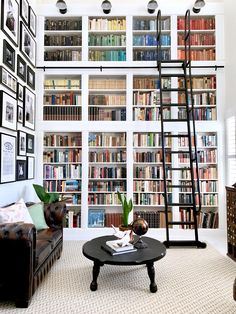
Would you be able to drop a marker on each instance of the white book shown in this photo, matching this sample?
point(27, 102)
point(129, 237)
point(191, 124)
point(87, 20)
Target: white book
point(116, 245)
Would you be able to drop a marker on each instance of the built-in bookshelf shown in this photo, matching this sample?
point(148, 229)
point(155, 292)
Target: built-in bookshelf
point(107, 39)
point(106, 175)
point(62, 171)
point(62, 39)
point(107, 98)
point(62, 98)
point(202, 38)
point(146, 98)
point(204, 98)
point(144, 38)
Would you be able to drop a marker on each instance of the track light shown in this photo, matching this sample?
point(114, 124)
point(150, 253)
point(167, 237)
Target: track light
point(61, 5)
point(198, 5)
point(151, 7)
point(106, 6)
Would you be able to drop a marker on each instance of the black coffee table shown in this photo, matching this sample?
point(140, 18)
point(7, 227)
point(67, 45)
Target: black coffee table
point(93, 251)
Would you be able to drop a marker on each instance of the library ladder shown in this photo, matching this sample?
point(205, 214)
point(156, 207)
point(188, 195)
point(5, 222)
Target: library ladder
point(181, 70)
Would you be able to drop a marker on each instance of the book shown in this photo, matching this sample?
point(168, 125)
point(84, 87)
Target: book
point(113, 252)
point(116, 245)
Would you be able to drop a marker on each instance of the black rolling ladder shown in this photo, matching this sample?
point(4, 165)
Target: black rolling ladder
point(180, 69)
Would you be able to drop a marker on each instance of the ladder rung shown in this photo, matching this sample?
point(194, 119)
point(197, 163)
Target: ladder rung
point(173, 75)
point(175, 120)
point(175, 135)
point(179, 151)
point(181, 204)
point(179, 186)
point(183, 223)
point(172, 61)
point(181, 168)
point(174, 90)
point(174, 105)
point(196, 243)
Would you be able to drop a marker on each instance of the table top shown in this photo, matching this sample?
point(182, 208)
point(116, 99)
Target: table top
point(93, 251)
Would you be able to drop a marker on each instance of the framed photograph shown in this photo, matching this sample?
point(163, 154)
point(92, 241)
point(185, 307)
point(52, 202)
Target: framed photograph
point(29, 143)
point(20, 114)
point(8, 80)
point(7, 158)
point(21, 143)
point(32, 21)
point(96, 218)
point(29, 109)
point(20, 92)
point(8, 111)
point(8, 55)
point(24, 11)
point(27, 44)
point(30, 77)
point(30, 167)
point(21, 170)
point(10, 19)
point(21, 68)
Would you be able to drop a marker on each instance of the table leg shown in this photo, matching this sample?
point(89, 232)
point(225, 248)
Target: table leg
point(96, 270)
point(151, 274)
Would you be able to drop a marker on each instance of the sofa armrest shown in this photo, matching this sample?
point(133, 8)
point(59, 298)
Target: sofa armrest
point(54, 214)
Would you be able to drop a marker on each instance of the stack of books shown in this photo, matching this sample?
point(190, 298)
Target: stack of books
point(115, 247)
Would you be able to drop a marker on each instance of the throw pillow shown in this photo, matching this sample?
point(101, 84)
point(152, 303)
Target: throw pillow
point(15, 213)
point(37, 214)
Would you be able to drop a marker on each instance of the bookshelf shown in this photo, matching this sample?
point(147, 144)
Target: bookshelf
point(62, 171)
point(62, 39)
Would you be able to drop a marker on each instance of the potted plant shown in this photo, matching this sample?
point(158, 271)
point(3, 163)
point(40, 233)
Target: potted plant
point(46, 197)
point(127, 207)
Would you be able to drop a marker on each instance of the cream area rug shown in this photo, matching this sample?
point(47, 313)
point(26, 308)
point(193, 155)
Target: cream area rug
point(189, 281)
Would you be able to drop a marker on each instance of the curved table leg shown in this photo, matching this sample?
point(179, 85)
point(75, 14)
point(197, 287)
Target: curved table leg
point(96, 270)
point(151, 274)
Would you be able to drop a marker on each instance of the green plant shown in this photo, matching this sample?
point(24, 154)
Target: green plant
point(127, 207)
point(45, 197)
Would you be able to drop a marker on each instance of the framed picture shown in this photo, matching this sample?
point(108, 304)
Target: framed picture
point(20, 114)
point(8, 55)
point(29, 109)
point(7, 158)
point(21, 139)
point(32, 21)
point(30, 167)
point(20, 92)
point(8, 80)
point(24, 11)
point(21, 68)
point(29, 143)
point(30, 77)
point(21, 170)
point(10, 19)
point(96, 218)
point(8, 111)
point(27, 44)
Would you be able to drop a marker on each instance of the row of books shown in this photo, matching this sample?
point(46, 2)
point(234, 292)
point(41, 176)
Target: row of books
point(151, 156)
point(107, 100)
point(150, 55)
point(70, 24)
point(199, 98)
point(107, 172)
point(107, 55)
point(65, 155)
point(107, 186)
point(62, 113)
point(107, 40)
point(148, 186)
point(198, 39)
point(106, 114)
point(109, 83)
point(62, 55)
point(69, 99)
point(72, 219)
point(150, 114)
point(209, 173)
point(62, 84)
point(149, 140)
point(62, 172)
point(150, 25)
point(203, 156)
point(107, 24)
point(150, 83)
point(198, 54)
point(151, 98)
point(103, 199)
point(72, 40)
point(62, 140)
point(61, 186)
point(151, 40)
point(103, 139)
point(206, 199)
point(107, 156)
point(149, 199)
point(200, 82)
point(148, 172)
point(204, 219)
point(202, 23)
point(205, 186)
point(203, 140)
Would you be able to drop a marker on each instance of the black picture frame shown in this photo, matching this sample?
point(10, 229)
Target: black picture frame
point(10, 19)
point(30, 77)
point(30, 167)
point(32, 21)
point(7, 158)
point(27, 44)
point(21, 68)
point(8, 114)
point(20, 114)
point(29, 143)
point(21, 143)
point(21, 170)
point(29, 108)
point(24, 11)
point(20, 92)
point(8, 80)
point(8, 55)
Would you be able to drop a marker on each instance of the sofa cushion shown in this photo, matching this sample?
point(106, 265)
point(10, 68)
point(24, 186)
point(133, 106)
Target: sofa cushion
point(51, 235)
point(37, 214)
point(17, 212)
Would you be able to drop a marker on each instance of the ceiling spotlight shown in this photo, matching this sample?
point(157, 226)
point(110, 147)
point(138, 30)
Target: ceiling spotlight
point(106, 6)
point(62, 7)
point(198, 5)
point(151, 7)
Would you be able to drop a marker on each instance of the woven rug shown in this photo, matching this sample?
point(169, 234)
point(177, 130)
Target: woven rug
point(189, 281)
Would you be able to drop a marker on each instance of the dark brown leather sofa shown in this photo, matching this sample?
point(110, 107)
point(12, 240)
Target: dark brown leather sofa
point(26, 256)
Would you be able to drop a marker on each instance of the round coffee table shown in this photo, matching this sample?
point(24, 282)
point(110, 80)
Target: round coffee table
point(93, 251)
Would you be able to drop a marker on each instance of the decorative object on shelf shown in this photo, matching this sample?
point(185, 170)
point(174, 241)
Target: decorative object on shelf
point(62, 7)
point(140, 227)
point(7, 158)
point(45, 197)
point(8, 111)
point(8, 55)
point(106, 6)
point(198, 5)
point(10, 19)
point(27, 44)
point(151, 7)
point(127, 207)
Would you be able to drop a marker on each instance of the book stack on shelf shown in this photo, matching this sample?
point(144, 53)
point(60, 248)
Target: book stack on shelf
point(114, 247)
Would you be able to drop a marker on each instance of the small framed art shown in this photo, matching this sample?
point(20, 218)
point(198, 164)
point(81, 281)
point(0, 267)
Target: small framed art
point(10, 19)
point(32, 21)
point(24, 11)
point(30, 167)
point(7, 158)
point(30, 77)
point(29, 143)
point(20, 114)
point(20, 92)
point(21, 68)
point(21, 170)
point(27, 44)
point(8, 55)
point(8, 111)
point(29, 109)
point(21, 139)
point(8, 80)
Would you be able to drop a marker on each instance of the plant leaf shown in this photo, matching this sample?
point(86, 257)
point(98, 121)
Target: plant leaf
point(41, 193)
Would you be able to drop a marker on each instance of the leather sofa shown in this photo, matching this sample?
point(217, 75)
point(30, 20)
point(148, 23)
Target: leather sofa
point(27, 255)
